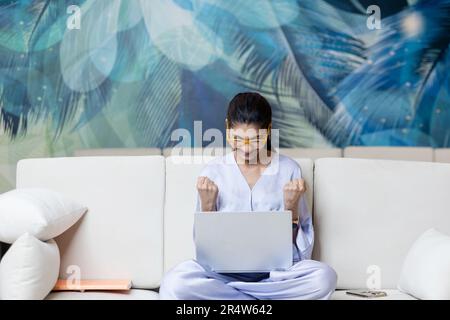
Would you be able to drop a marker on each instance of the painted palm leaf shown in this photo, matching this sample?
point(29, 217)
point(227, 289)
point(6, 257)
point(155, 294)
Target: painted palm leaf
point(398, 95)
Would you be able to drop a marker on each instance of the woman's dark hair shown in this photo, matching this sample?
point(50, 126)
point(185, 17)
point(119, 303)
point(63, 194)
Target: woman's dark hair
point(250, 108)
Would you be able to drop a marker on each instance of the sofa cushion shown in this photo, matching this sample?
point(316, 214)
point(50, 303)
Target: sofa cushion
point(29, 269)
point(196, 151)
point(390, 153)
point(181, 177)
point(426, 270)
point(120, 236)
point(312, 153)
point(133, 294)
point(442, 155)
point(41, 212)
point(369, 212)
point(117, 152)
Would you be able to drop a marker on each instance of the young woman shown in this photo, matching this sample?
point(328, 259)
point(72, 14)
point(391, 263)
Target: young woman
point(253, 178)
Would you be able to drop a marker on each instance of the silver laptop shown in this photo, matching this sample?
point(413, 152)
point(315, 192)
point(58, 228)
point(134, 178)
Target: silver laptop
point(243, 241)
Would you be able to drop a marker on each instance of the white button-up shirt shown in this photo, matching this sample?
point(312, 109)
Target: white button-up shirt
point(266, 195)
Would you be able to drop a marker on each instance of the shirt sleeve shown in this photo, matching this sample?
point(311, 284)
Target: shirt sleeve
point(198, 206)
point(305, 235)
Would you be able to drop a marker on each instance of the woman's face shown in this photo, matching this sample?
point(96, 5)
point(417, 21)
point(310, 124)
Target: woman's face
point(248, 139)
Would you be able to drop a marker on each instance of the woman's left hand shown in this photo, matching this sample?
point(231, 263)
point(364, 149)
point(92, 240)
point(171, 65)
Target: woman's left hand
point(293, 190)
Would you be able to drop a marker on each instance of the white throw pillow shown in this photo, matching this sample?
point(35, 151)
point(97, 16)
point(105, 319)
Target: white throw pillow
point(29, 269)
point(43, 213)
point(426, 269)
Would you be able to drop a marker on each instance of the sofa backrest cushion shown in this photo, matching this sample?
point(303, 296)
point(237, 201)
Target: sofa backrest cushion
point(390, 153)
point(181, 177)
point(312, 153)
point(120, 237)
point(368, 213)
point(117, 152)
point(442, 155)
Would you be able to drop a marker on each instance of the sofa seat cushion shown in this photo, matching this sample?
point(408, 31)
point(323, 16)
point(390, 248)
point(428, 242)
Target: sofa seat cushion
point(133, 294)
point(392, 294)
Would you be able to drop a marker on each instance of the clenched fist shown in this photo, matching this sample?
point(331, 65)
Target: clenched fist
point(293, 190)
point(207, 191)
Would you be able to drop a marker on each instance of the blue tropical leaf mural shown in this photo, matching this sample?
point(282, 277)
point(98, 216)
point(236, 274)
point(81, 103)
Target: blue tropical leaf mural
point(136, 70)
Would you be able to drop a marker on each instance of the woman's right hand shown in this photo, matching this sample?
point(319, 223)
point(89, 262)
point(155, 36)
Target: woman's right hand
point(207, 190)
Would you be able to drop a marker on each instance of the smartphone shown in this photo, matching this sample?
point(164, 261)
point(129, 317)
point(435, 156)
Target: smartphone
point(367, 293)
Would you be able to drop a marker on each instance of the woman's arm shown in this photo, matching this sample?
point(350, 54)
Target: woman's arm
point(207, 192)
point(293, 191)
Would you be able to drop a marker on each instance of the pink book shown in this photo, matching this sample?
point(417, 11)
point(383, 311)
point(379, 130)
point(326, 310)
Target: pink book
point(83, 285)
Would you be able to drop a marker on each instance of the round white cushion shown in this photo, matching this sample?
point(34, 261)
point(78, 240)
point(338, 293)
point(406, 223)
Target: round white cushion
point(29, 269)
point(426, 269)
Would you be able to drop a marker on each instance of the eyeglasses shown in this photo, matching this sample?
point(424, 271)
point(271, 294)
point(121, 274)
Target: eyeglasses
point(238, 141)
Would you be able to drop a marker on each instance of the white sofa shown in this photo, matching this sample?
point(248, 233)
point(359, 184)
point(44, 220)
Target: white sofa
point(367, 213)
